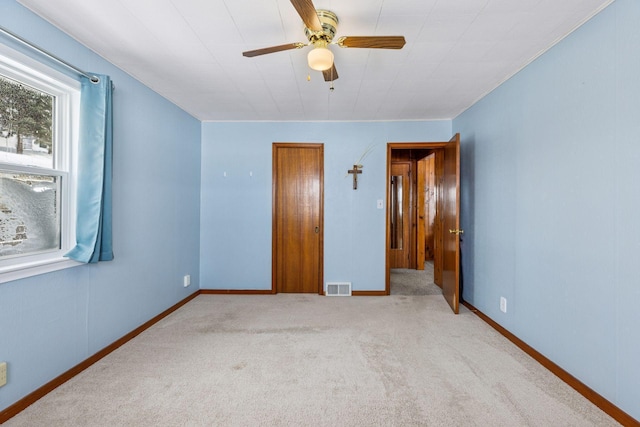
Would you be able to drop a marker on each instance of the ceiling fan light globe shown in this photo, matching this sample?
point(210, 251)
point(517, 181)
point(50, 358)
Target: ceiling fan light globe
point(320, 59)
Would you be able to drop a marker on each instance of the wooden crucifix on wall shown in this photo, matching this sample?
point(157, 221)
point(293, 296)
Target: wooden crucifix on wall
point(355, 171)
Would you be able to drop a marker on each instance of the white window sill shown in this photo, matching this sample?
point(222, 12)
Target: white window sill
point(22, 271)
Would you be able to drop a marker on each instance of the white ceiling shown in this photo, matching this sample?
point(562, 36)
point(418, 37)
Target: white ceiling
point(190, 51)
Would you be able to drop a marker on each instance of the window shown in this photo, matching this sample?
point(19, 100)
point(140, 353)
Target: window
point(38, 132)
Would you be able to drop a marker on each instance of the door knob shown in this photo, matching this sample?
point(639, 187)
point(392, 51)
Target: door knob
point(456, 231)
point(317, 229)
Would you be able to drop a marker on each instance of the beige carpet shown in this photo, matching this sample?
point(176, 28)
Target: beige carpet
point(405, 281)
point(308, 360)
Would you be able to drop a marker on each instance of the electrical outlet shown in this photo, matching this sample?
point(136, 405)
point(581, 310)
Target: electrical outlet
point(187, 280)
point(503, 304)
point(3, 373)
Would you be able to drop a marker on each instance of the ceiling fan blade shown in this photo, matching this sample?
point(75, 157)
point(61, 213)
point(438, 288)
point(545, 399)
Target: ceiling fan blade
point(374, 42)
point(272, 49)
point(307, 12)
point(331, 74)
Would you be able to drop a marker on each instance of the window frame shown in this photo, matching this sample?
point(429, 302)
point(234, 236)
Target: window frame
point(66, 91)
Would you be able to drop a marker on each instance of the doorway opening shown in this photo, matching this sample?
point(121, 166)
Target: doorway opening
point(423, 217)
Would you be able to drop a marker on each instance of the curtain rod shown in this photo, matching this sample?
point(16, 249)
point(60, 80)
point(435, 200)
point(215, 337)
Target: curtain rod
point(91, 77)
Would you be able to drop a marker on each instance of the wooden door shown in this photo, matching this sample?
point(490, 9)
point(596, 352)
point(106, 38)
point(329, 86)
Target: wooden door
point(438, 223)
point(400, 221)
point(429, 192)
point(298, 196)
point(426, 207)
point(451, 219)
point(421, 254)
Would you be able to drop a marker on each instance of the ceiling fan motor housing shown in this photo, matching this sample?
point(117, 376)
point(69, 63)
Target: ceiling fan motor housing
point(329, 21)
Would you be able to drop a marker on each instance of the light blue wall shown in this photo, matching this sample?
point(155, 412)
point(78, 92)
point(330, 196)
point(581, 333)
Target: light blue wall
point(49, 323)
point(551, 195)
point(236, 209)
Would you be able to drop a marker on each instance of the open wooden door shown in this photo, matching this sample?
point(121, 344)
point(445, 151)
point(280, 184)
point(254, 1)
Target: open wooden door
point(421, 214)
point(451, 218)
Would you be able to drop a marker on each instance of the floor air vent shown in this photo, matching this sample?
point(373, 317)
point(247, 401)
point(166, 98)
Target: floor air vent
point(338, 289)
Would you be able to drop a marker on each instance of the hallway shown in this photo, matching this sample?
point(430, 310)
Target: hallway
point(406, 281)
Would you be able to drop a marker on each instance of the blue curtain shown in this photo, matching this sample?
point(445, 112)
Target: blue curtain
point(93, 216)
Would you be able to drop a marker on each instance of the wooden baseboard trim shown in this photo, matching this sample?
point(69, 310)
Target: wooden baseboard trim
point(595, 398)
point(236, 292)
point(270, 292)
point(32, 397)
point(369, 293)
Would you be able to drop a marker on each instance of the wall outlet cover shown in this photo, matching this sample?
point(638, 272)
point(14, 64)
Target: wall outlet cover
point(3, 373)
point(503, 304)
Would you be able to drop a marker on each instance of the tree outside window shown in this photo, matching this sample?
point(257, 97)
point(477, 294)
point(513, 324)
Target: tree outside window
point(26, 122)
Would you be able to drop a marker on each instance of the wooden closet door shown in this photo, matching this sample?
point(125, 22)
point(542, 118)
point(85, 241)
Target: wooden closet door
point(298, 195)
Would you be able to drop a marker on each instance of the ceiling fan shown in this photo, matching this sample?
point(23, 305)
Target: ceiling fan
point(320, 29)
